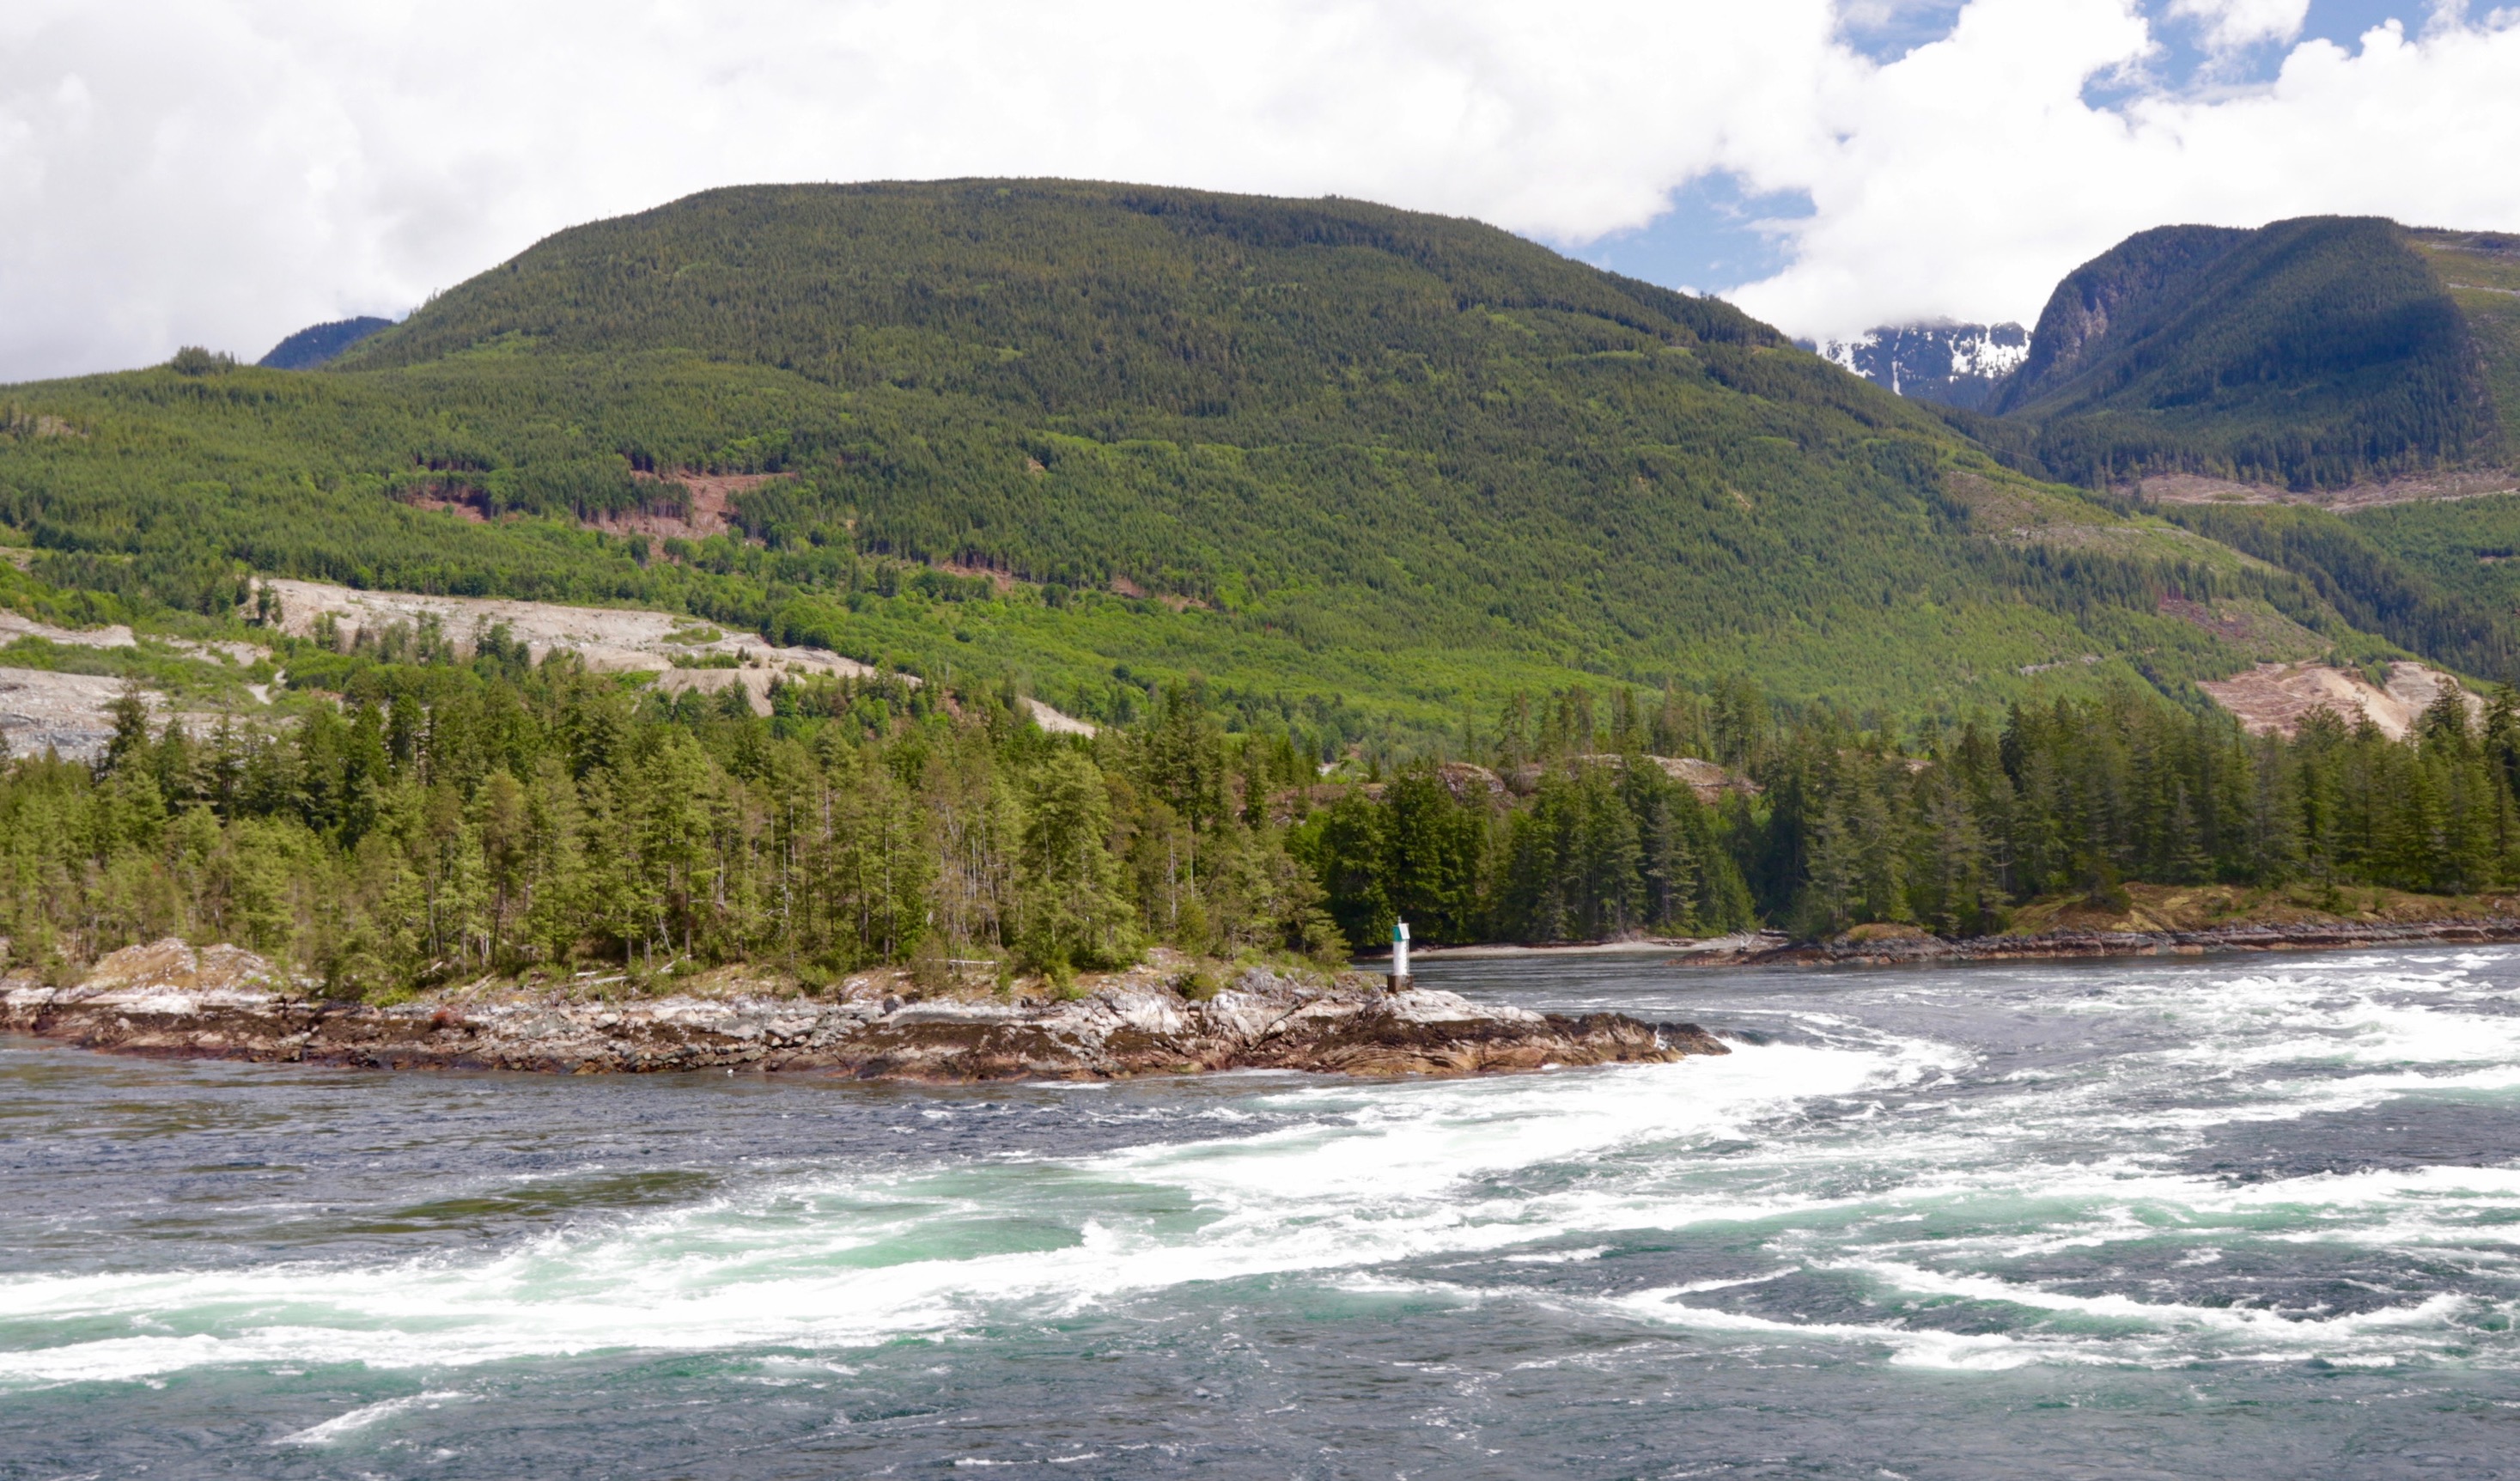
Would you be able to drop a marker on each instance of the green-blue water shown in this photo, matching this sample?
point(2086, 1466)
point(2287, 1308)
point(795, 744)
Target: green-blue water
point(2230, 1218)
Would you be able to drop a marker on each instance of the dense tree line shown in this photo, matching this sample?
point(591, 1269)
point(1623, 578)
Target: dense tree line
point(463, 810)
point(1599, 850)
point(463, 815)
point(2085, 796)
point(1950, 830)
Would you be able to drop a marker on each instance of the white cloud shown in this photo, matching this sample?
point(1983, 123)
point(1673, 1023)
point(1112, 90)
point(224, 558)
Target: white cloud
point(1965, 178)
point(223, 171)
point(2231, 24)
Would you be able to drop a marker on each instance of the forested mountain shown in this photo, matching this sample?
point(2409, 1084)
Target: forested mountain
point(321, 344)
point(2482, 272)
point(2311, 353)
point(2469, 548)
point(1337, 458)
point(2139, 277)
point(2301, 393)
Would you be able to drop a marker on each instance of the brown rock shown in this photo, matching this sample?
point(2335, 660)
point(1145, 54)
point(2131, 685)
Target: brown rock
point(165, 999)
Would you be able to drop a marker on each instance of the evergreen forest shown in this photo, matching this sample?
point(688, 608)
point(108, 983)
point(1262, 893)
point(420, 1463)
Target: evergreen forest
point(1399, 561)
point(467, 812)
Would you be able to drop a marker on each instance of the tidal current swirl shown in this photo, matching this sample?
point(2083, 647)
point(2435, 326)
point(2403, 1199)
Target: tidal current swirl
point(2227, 1217)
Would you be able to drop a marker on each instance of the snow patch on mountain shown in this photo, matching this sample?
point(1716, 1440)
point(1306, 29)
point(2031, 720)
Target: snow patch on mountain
point(1955, 364)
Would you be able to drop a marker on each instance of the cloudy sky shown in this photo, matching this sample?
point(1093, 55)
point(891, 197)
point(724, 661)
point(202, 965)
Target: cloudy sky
point(225, 171)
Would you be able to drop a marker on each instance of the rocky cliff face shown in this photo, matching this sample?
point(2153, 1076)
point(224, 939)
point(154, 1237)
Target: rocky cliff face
point(167, 1000)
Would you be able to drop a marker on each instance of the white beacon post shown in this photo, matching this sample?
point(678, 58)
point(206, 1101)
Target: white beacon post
point(1399, 953)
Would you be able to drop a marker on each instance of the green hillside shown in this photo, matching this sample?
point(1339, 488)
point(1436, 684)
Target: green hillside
point(1358, 467)
point(2466, 548)
point(2311, 352)
point(2481, 270)
point(2393, 571)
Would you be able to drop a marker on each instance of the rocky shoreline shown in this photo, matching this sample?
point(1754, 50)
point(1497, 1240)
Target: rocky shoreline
point(167, 1000)
point(1871, 946)
point(1921, 949)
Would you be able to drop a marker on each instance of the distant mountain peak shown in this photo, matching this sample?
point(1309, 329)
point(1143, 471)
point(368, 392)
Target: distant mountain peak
point(1953, 364)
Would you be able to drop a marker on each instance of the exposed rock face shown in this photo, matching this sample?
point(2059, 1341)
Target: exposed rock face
point(2277, 697)
point(1709, 781)
point(165, 999)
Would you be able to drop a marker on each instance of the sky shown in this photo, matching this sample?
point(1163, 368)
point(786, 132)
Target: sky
point(222, 172)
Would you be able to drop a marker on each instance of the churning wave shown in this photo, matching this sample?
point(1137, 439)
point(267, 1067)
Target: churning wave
point(1964, 1171)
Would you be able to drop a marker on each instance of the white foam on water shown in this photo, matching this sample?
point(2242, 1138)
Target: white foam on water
point(1914, 1348)
point(361, 1417)
point(2002, 1351)
point(2312, 1013)
point(1384, 1173)
point(1837, 1157)
point(2092, 1331)
point(1560, 1256)
point(1392, 1147)
point(2322, 1036)
point(2255, 1322)
point(1695, 1288)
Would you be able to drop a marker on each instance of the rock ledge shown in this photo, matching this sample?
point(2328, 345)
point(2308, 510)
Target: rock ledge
point(165, 999)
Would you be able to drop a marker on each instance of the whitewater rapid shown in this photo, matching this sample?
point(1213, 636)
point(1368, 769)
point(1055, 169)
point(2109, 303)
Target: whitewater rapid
point(2228, 1173)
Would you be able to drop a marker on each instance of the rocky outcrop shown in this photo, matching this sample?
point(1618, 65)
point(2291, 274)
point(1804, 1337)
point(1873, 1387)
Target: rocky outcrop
point(1709, 781)
point(2141, 277)
point(167, 1000)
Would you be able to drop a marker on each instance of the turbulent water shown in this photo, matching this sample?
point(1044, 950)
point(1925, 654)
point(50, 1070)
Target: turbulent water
point(2228, 1218)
